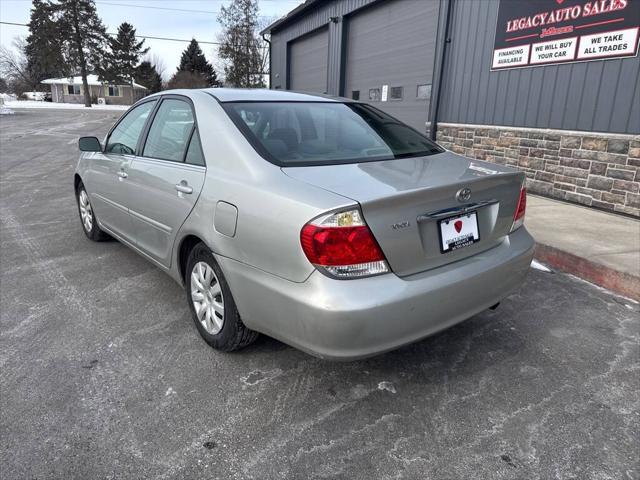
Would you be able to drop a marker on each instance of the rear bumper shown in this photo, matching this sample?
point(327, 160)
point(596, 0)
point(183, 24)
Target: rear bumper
point(351, 319)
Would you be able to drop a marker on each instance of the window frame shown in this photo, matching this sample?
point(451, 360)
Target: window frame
point(145, 131)
point(117, 87)
point(246, 132)
point(74, 89)
point(115, 125)
point(396, 99)
point(418, 91)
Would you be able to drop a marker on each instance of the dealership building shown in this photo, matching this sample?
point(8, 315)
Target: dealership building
point(551, 87)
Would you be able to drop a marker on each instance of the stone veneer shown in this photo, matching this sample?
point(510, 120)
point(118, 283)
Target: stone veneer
point(596, 169)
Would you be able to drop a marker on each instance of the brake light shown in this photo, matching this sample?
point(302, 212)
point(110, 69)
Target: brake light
point(342, 245)
point(518, 217)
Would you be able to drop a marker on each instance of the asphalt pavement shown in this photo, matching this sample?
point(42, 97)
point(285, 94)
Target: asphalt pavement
point(103, 374)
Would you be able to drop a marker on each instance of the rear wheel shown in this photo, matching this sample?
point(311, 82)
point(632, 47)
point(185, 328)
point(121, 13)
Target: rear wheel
point(88, 216)
point(211, 303)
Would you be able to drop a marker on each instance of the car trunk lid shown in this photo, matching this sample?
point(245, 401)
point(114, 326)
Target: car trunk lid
point(404, 200)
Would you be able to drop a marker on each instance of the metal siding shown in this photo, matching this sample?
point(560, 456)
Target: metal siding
point(625, 111)
point(278, 63)
point(561, 96)
point(633, 119)
point(317, 16)
point(393, 44)
point(600, 95)
point(308, 62)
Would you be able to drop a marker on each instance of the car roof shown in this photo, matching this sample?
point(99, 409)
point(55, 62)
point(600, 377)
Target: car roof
point(266, 95)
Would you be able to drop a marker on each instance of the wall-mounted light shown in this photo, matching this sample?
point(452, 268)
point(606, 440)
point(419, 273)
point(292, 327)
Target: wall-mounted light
point(334, 19)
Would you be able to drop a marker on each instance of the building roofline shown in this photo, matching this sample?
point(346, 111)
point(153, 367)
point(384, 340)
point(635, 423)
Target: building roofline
point(92, 80)
point(289, 16)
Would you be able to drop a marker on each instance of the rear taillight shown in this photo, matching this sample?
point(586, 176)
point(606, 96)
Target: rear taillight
point(518, 217)
point(341, 245)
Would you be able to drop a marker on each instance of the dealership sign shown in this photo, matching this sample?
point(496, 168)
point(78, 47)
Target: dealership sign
point(542, 32)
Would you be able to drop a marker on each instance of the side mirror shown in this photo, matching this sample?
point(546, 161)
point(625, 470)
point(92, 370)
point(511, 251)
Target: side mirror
point(89, 144)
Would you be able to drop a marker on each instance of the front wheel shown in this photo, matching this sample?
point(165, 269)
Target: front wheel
point(88, 216)
point(211, 303)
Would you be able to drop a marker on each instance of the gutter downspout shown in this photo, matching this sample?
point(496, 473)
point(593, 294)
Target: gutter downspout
point(445, 41)
point(270, 71)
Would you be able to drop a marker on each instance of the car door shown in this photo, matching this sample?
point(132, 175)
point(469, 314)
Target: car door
point(166, 178)
point(109, 190)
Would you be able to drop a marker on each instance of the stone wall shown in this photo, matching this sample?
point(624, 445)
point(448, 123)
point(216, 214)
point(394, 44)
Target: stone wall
point(594, 169)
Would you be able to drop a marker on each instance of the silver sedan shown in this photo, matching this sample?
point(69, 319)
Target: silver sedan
point(322, 222)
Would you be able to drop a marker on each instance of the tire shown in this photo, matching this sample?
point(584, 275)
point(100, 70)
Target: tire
point(88, 217)
point(219, 322)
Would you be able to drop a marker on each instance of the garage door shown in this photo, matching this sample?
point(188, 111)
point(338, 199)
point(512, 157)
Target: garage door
point(308, 58)
point(390, 53)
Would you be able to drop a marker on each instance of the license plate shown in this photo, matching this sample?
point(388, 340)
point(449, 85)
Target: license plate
point(458, 232)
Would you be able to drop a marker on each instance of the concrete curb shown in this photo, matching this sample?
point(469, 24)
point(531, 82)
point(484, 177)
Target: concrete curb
point(619, 282)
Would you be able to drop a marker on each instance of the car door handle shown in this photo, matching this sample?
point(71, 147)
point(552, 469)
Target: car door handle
point(122, 174)
point(184, 188)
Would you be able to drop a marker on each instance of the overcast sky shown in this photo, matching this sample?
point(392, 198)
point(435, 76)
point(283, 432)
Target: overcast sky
point(151, 17)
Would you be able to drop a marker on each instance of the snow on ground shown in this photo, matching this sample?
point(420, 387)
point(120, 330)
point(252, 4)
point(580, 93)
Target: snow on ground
point(34, 104)
point(5, 111)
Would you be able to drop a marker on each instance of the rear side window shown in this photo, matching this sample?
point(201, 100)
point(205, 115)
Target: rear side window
point(194, 152)
point(170, 131)
point(124, 137)
point(320, 133)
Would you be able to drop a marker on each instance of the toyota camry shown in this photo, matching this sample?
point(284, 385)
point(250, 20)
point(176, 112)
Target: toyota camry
point(320, 221)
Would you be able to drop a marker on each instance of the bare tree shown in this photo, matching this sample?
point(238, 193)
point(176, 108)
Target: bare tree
point(186, 79)
point(13, 67)
point(158, 62)
point(240, 44)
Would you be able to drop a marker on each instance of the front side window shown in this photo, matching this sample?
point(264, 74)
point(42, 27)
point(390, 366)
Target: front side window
point(114, 91)
point(317, 133)
point(170, 131)
point(73, 89)
point(124, 137)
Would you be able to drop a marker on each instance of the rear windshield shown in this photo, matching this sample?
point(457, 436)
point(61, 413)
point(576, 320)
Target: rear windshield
point(321, 133)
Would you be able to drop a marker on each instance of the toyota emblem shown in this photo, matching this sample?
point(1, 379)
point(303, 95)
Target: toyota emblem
point(463, 195)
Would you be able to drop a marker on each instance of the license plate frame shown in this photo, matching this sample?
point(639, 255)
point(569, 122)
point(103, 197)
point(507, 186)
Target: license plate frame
point(463, 242)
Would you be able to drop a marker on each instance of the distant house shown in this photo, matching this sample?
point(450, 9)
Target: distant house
point(70, 90)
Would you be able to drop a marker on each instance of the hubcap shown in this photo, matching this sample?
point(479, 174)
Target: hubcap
point(207, 297)
point(86, 214)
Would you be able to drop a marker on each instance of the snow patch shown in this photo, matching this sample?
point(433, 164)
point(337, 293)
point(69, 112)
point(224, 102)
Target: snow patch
point(388, 386)
point(538, 266)
point(65, 106)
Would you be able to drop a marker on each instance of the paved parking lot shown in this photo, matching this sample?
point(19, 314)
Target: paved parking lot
point(103, 374)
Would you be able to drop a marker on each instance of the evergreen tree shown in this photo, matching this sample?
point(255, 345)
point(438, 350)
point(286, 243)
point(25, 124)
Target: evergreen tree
point(147, 75)
point(194, 61)
point(120, 63)
point(240, 44)
point(43, 48)
point(85, 37)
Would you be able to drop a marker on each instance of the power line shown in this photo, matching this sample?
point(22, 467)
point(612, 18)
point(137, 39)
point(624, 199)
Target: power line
point(139, 36)
point(151, 7)
point(19, 24)
point(156, 8)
